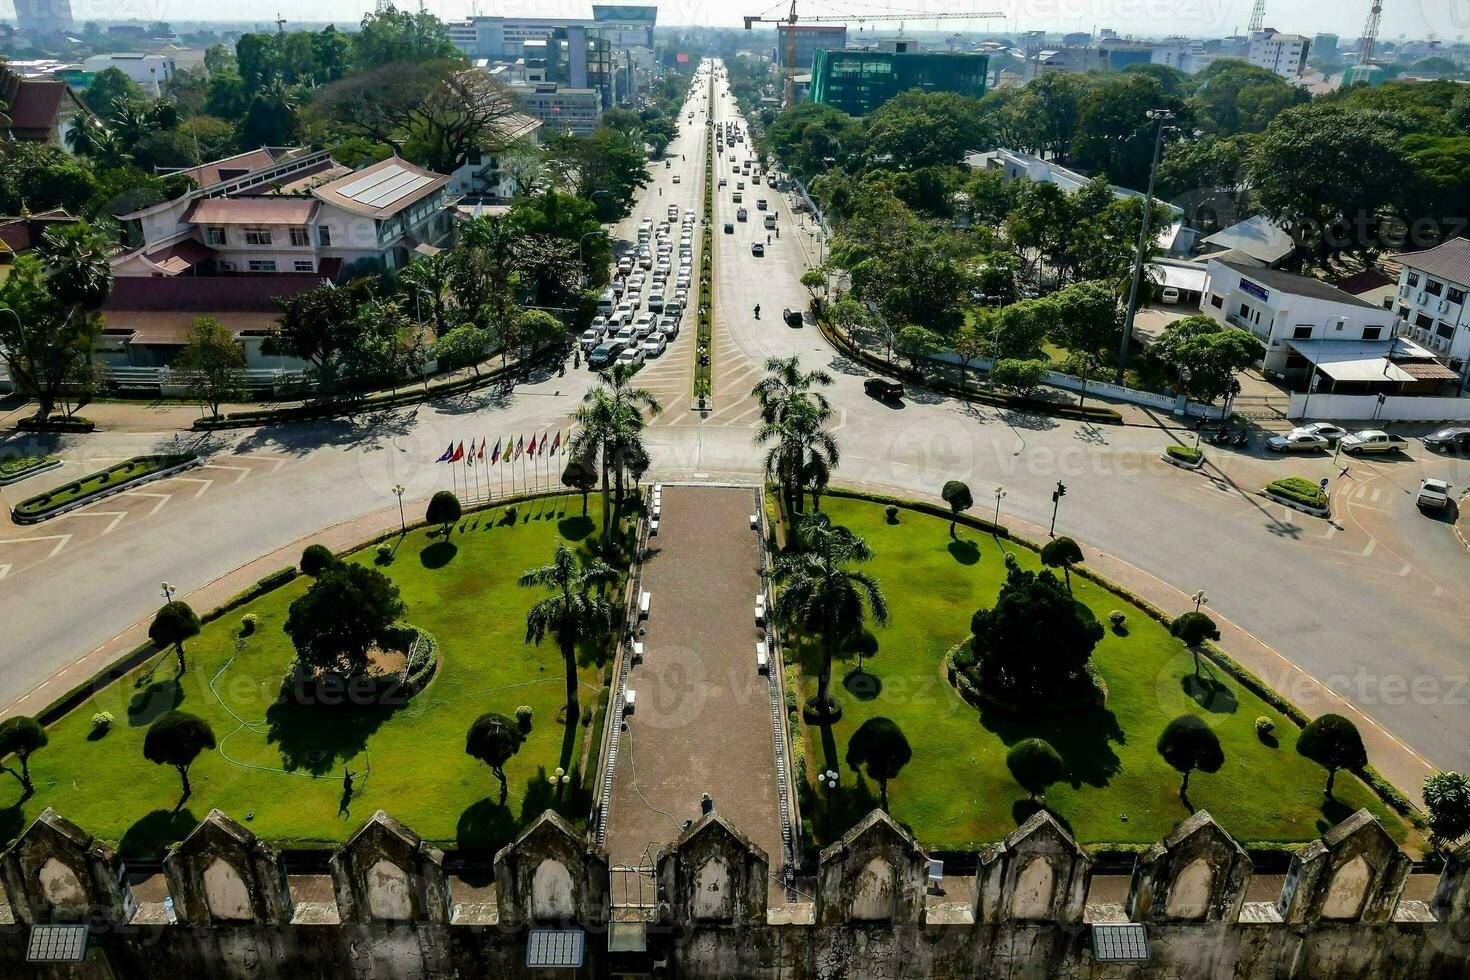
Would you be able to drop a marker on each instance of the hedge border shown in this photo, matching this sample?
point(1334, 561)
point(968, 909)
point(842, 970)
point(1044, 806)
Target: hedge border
point(64, 423)
point(336, 409)
point(1387, 792)
point(45, 463)
point(185, 461)
point(846, 346)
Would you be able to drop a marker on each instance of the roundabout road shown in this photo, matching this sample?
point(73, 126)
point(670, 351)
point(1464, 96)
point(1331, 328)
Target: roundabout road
point(1374, 604)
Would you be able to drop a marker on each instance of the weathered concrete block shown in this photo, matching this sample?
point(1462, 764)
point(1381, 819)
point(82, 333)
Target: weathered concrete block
point(57, 872)
point(712, 874)
point(876, 873)
point(1452, 896)
point(1037, 872)
point(1198, 873)
point(551, 874)
point(386, 873)
point(222, 873)
point(1354, 873)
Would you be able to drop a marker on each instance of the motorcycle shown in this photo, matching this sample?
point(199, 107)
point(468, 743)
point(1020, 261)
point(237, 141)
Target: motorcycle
point(757, 311)
point(1241, 438)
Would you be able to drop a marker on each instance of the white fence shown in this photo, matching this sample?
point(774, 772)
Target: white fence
point(1394, 408)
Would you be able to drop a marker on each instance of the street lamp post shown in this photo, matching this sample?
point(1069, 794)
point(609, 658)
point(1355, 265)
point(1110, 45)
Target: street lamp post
point(1200, 599)
point(168, 592)
point(1159, 117)
point(398, 490)
point(1056, 502)
point(828, 779)
point(1000, 493)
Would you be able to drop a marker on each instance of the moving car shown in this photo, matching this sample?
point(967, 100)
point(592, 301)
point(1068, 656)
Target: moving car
point(1326, 430)
point(760, 204)
point(757, 249)
point(1371, 441)
point(676, 178)
point(741, 214)
point(770, 221)
point(632, 355)
point(653, 345)
point(729, 228)
point(605, 354)
point(669, 327)
point(1296, 441)
point(723, 182)
point(792, 317)
point(1433, 495)
point(883, 389)
point(737, 197)
point(643, 326)
point(590, 340)
point(1449, 440)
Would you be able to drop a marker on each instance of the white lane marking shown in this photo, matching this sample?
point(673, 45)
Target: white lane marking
point(244, 471)
point(204, 483)
point(60, 539)
point(162, 498)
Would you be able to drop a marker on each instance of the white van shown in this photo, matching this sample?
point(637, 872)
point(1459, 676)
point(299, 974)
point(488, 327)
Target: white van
point(607, 302)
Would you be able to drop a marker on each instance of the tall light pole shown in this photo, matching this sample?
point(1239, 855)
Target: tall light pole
point(1159, 117)
point(1056, 502)
point(828, 780)
point(1000, 494)
point(398, 490)
point(1200, 599)
point(168, 592)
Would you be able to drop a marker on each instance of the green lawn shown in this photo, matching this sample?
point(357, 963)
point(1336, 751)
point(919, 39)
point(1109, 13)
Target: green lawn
point(280, 768)
point(956, 792)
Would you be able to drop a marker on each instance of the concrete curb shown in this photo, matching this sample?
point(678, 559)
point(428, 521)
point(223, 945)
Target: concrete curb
point(12, 480)
point(1181, 464)
point(123, 487)
point(1322, 512)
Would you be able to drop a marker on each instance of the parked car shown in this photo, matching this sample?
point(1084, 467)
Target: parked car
point(723, 182)
point(1449, 440)
point(741, 214)
point(1326, 430)
point(604, 354)
point(653, 345)
point(757, 249)
point(1297, 442)
point(883, 389)
point(1371, 441)
point(760, 204)
point(737, 197)
point(1433, 495)
point(740, 185)
point(631, 355)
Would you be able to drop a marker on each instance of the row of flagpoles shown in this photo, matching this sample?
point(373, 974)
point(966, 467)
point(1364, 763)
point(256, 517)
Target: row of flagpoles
point(501, 461)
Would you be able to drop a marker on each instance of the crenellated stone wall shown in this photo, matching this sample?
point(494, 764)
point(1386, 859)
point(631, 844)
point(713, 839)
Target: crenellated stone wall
point(719, 914)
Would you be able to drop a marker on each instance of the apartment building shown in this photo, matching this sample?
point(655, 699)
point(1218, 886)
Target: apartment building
point(1284, 54)
point(559, 108)
point(1431, 300)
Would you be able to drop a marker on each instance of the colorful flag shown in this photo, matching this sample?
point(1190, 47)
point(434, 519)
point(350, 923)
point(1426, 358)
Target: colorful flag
point(483, 443)
point(469, 459)
point(545, 438)
point(509, 449)
point(448, 454)
point(556, 443)
point(458, 454)
point(520, 446)
point(495, 456)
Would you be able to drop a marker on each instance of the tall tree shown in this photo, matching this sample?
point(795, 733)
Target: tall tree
point(54, 296)
point(575, 612)
point(176, 739)
point(1188, 743)
point(609, 421)
point(820, 591)
point(213, 363)
point(879, 748)
point(494, 739)
point(174, 623)
point(20, 736)
point(1332, 742)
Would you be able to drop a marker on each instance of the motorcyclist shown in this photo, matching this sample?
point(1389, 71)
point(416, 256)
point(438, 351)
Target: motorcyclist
point(778, 231)
point(757, 311)
point(768, 239)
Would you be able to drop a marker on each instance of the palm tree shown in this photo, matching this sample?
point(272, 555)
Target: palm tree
point(131, 122)
point(429, 275)
point(820, 592)
point(610, 421)
point(573, 611)
point(785, 384)
point(803, 452)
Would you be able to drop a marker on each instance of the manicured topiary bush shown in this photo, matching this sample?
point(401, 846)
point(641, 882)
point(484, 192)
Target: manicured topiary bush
point(317, 558)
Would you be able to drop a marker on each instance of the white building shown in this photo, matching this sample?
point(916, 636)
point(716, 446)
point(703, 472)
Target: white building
point(1184, 53)
point(152, 71)
point(1174, 236)
point(1284, 54)
point(1431, 300)
point(482, 175)
point(1290, 314)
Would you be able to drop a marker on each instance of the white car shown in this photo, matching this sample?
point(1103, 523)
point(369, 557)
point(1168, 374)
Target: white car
point(590, 340)
point(625, 265)
point(1433, 495)
point(654, 344)
point(632, 355)
point(1326, 430)
point(645, 260)
point(676, 178)
point(599, 323)
point(625, 335)
point(656, 302)
point(624, 312)
point(643, 326)
point(669, 327)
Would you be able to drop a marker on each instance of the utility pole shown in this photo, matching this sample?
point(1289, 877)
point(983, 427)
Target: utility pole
point(1159, 117)
point(1056, 502)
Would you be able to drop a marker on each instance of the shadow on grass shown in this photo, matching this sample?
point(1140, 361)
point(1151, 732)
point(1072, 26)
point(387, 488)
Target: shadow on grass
point(438, 554)
point(12, 820)
point(152, 834)
point(1334, 812)
point(314, 737)
point(1210, 694)
point(575, 528)
point(1083, 739)
point(154, 701)
point(1023, 810)
point(862, 685)
point(486, 826)
point(965, 552)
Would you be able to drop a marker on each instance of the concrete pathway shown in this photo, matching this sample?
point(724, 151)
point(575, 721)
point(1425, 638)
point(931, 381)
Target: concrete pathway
point(702, 718)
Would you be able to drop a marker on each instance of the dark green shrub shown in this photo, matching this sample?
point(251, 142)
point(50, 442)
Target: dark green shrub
point(317, 558)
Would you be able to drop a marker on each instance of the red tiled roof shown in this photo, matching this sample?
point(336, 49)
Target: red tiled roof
point(180, 256)
point(161, 310)
point(34, 105)
point(238, 165)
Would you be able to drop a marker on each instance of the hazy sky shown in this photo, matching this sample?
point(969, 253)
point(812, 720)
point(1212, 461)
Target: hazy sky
point(1446, 19)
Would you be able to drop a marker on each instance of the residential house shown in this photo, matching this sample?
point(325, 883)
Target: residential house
point(40, 110)
point(1257, 238)
point(482, 175)
point(1431, 300)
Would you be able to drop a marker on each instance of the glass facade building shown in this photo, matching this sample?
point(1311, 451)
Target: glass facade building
point(857, 82)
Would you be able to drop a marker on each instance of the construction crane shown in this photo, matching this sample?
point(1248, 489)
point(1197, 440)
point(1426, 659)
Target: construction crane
point(1258, 16)
point(789, 21)
point(280, 23)
point(1370, 33)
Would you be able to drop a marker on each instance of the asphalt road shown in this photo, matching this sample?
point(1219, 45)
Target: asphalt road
point(1374, 603)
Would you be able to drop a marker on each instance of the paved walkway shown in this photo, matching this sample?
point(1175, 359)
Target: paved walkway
point(702, 719)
